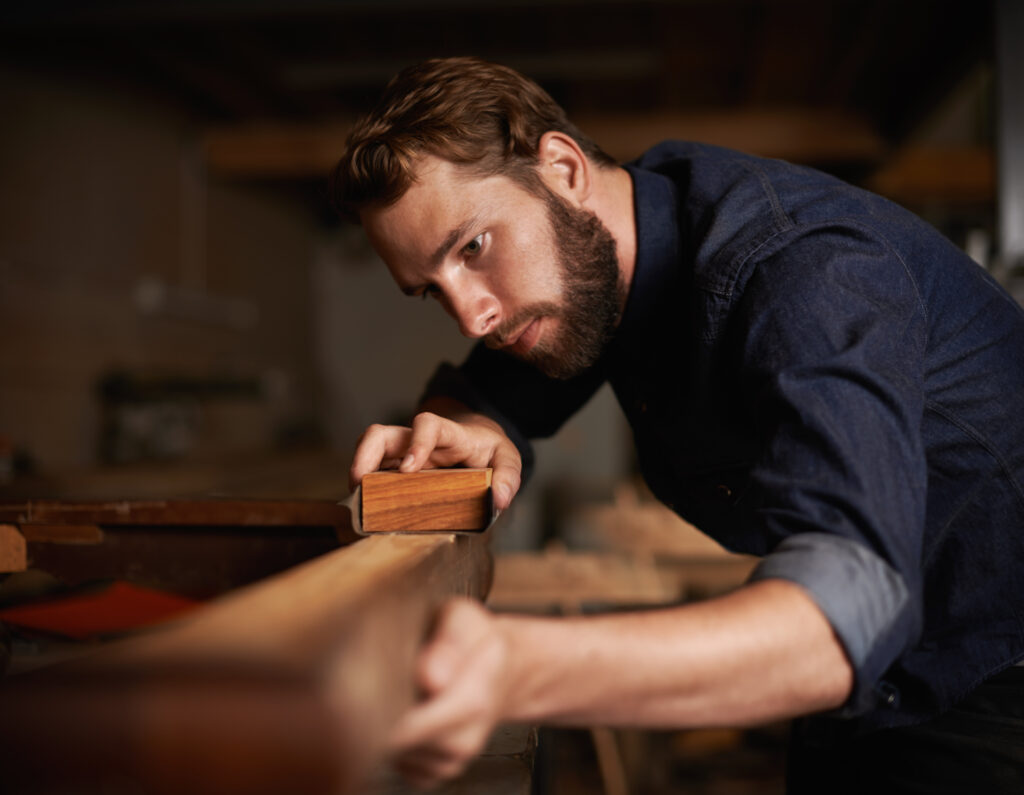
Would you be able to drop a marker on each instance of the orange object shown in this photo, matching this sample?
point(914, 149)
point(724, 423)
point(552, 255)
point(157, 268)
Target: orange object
point(120, 607)
point(453, 500)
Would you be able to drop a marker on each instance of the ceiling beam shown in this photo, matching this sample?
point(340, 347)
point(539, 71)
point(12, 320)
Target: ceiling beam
point(927, 175)
point(277, 151)
point(303, 151)
point(803, 135)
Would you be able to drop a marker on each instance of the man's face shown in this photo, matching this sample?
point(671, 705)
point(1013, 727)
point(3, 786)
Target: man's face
point(534, 276)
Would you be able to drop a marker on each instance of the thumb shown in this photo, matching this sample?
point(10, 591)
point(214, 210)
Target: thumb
point(506, 477)
point(437, 666)
point(461, 624)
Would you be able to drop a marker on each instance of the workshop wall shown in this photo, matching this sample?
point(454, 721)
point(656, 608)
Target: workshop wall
point(120, 260)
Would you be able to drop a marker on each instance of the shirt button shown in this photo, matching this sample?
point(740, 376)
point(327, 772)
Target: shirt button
point(888, 693)
point(723, 491)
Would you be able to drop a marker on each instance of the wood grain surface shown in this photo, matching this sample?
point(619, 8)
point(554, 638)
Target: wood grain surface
point(432, 499)
point(177, 513)
point(12, 549)
point(289, 685)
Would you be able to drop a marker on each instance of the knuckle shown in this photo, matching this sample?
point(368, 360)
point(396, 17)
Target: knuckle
point(461, 749)
point(449, 769)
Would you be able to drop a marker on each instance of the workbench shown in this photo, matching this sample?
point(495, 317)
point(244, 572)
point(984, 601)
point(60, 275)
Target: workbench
point(285, 682)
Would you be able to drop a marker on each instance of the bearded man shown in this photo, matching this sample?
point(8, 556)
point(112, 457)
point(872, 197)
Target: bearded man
point(812, 375)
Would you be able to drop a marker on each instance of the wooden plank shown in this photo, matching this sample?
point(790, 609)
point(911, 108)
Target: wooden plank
point(927, 175)
point(802, 135)
point(197, 548)
point(286, 476)
point(703, 578)
point(290, 685)
point(687, 561)
point(432, 499)
point(179, 513)
point(806, 135)
point(640, 526)
point(62, 533)
point(276, 150)
point(538, 581)
point(201, 562)
point(13, 550)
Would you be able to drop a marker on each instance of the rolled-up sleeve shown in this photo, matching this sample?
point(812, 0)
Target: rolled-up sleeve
point(833, 339)
point(864, 599)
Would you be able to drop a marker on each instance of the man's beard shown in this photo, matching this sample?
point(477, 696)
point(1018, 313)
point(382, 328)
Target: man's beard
point(592, 293)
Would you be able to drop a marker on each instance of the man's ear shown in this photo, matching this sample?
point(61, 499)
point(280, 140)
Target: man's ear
point(563, 167)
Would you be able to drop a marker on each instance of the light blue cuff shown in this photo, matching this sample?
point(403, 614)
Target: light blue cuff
point(864, 599)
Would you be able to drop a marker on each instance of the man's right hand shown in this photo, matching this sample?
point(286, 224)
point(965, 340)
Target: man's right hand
point(472, 440)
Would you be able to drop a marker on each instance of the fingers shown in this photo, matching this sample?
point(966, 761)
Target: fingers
point(462, 626)
point(507, 475)
point(452, 727)
point(438, 739)
point(379, 445)
point(440, 442)
point(459, 669)
point(429, 431)
point(426, 769)
point(432, 440)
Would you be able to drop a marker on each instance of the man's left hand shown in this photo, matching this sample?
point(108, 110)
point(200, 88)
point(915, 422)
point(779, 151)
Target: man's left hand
point(462, 672)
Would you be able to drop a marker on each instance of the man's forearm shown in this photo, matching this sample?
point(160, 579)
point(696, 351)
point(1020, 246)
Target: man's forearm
point(762, 653)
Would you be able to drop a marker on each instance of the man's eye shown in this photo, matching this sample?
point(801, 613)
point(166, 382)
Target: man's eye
point(474, 246)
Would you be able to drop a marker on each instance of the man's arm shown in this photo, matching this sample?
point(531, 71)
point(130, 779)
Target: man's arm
point(762, 653)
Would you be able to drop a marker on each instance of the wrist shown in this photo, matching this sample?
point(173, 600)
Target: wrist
point(526, 640)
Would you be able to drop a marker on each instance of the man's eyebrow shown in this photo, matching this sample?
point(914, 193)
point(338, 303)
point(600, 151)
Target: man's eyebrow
point(449, 242)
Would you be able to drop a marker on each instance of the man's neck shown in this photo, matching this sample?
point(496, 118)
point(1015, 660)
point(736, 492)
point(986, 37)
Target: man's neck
point(612, 201)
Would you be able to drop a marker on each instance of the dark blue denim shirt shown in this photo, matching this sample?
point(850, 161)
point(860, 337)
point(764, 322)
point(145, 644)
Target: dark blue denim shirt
point(816, 376)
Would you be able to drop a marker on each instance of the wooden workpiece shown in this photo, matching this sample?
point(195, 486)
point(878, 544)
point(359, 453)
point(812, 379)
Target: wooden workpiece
point(289, 685)
point(432, 499)
point(177, 513)
point(193, 547)
point(538, 581)
point(12, 549)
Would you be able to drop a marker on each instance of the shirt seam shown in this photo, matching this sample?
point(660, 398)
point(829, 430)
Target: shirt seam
point(782, 219)
point(982, 440)
point(742, 262)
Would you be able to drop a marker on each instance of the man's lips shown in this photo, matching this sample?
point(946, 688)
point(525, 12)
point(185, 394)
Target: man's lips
point(526, 339)
point(519, 342)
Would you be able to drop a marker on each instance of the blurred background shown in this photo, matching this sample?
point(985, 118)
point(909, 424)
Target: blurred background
point(182, 314)
point(179, 307)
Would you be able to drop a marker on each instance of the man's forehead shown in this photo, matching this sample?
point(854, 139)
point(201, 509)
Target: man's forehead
point(442, 196)
point(426, 168)
point(437, 207)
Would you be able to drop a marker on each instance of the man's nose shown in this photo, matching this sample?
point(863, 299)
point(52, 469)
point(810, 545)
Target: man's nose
point(476, 311)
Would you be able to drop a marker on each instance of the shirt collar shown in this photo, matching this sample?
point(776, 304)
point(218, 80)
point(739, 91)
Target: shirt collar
point(657, 248)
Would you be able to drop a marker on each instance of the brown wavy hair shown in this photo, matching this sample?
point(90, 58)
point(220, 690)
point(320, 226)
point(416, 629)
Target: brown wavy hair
point(464, 110)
